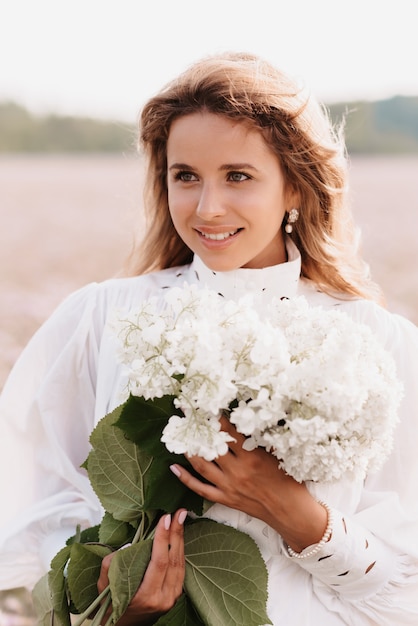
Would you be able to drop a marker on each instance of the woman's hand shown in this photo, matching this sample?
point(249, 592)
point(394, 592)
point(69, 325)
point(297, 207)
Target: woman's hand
point(252, 482)
point(162, 584)
point(249, 481)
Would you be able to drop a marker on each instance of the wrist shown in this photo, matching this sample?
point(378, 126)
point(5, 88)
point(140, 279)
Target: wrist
point(316, 546)
point(304, 522)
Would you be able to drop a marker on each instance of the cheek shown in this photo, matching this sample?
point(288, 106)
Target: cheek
point(174, 204)
point(180, 213)
point(180, 202)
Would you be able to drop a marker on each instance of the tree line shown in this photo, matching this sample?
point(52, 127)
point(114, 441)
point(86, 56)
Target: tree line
point(22, 131)
point(385, 126)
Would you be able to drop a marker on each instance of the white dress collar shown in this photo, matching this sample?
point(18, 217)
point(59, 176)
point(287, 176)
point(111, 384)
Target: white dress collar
point(275, 281)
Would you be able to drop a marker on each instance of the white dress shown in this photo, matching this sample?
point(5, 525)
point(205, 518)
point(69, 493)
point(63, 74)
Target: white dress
point(68, 378)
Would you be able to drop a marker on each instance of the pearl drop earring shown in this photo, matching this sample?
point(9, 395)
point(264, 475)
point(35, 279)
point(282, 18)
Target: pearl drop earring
point(291, 219)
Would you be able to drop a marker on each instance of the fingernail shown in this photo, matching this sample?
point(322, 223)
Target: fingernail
point(182, 516)
point(167, 521)
point(127, 545)
point(175, 470)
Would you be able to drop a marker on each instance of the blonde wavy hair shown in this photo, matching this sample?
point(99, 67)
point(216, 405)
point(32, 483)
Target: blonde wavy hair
point(247, 89)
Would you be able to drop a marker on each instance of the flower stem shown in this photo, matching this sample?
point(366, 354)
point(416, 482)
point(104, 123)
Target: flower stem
point(109, 621)
point(97, 620)
point(140, 530)
point(83, 616)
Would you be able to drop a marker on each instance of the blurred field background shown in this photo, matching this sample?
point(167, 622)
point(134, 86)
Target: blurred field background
point(67, 220)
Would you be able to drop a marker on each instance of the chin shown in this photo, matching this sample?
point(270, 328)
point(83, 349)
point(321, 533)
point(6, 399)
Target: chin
point(220, 265)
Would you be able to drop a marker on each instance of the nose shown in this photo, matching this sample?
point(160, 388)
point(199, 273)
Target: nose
point(210, 204)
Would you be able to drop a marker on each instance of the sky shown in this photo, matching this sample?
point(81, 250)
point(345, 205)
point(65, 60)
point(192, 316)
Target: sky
point(104, 58)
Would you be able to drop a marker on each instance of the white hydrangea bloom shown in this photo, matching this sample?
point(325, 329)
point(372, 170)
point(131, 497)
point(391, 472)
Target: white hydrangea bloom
point(310, 385)
point(196, 437)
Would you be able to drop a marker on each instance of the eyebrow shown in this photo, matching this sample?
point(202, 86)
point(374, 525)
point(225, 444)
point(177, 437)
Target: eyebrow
point(225, 167)
point(237, 166)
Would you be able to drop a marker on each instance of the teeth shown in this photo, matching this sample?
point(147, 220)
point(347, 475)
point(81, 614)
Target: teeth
point(218, 236)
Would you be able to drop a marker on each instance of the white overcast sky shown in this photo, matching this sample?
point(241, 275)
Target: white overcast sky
point(105, 57)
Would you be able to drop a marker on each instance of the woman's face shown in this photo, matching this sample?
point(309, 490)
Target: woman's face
point(226, 192)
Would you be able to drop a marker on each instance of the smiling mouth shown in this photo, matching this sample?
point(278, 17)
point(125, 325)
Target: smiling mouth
point(219, 236)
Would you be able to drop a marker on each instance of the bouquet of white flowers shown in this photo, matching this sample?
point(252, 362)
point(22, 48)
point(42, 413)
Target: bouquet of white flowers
point(312, 386)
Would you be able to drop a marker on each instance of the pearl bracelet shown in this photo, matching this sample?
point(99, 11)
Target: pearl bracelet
point(325, 537)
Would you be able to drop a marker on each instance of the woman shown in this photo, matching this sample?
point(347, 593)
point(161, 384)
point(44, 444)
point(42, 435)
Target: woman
point(246, 191)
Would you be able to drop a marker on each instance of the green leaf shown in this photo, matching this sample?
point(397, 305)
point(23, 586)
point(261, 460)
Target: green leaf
point(126, 572)
point(115, 533)
point(88, 535)
point(117, 469)
point(143, 422)
point(42, 603)
point(182, 614)
point(58, 586)
point(83, 573)
point(226, 577)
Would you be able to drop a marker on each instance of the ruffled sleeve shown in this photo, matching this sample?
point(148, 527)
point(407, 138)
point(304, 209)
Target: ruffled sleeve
point(368, 572)
point(46, 416)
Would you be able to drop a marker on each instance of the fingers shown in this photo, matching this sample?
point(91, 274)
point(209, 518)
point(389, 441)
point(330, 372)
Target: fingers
point(166, 568)
point(103, 579)
point(162, 584)
point(176, 562)
point(227, 426)
point(210, 471)
point(234, 446)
